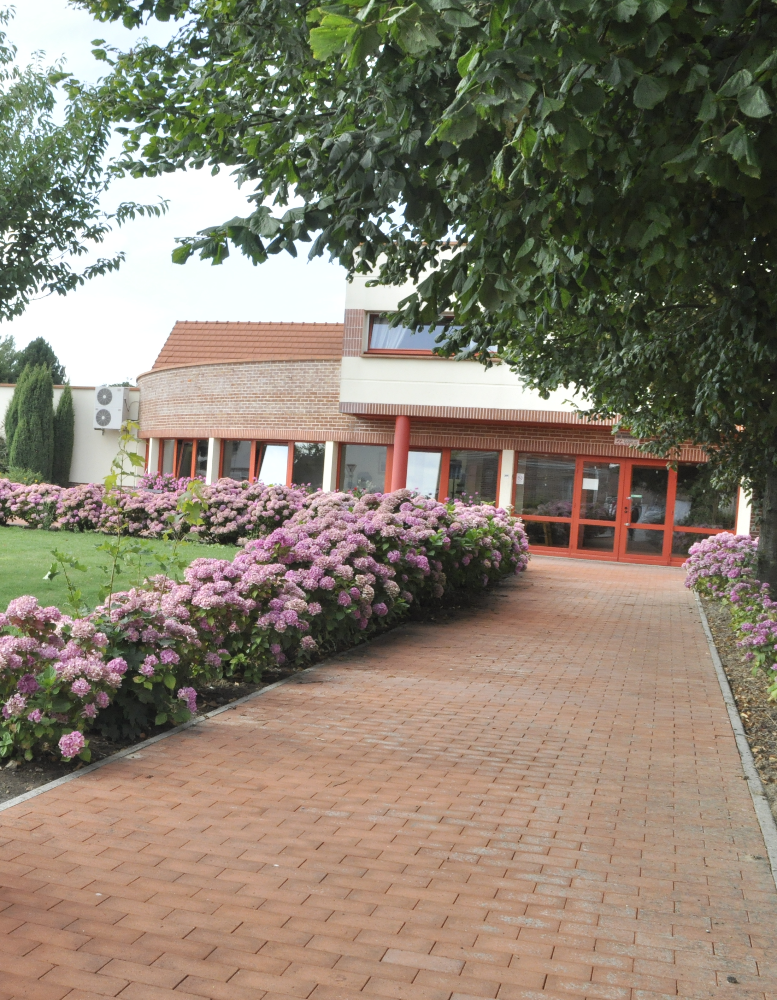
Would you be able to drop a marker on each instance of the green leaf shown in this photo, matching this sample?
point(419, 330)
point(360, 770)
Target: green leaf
point(743, 78)
point(181, 254)
point(169, 681)
point(650, 91)
point(708, 109)
point(332, 36)
point(626, 9)
point(86, 754)
point(753, 103)
point(458, 128)
point(739, 145)
point(161, 719)
point(653, 9)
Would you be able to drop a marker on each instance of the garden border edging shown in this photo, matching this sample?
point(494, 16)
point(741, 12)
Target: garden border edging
point(761, 804)
point(128, 751)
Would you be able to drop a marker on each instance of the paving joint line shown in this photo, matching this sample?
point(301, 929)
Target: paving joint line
point(128, 751)
point(763, 810)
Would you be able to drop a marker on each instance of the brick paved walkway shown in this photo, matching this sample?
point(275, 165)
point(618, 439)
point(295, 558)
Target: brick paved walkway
point(542, 800)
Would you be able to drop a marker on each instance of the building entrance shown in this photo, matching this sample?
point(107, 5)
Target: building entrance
point(631, 510)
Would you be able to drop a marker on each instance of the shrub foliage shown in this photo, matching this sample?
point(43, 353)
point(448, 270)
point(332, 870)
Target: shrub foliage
point(328, 570)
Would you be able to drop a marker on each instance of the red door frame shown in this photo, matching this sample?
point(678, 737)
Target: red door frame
point(618, 553)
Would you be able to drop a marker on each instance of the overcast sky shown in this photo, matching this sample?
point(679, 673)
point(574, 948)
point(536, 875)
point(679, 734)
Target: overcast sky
point(113, 328)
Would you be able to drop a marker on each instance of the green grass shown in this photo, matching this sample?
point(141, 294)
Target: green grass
point(25, 557)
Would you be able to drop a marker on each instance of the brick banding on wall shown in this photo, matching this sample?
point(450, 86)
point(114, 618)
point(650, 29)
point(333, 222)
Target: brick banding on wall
point(299, 401)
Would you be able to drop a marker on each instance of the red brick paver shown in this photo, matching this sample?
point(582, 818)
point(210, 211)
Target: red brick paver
point(541, 800)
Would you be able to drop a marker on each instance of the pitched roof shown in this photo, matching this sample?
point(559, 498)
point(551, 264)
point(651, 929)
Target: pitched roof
point(192, 343)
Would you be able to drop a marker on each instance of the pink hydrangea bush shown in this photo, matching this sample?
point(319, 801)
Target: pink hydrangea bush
point(163, 482)
point(723, 567)
point(35, 505)
point(337, 569)
point(233, 511)
point(55, 676)
point(718, 563)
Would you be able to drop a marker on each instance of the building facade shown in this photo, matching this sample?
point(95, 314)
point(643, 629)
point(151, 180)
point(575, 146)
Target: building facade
point(93, 449)
point(363, 405)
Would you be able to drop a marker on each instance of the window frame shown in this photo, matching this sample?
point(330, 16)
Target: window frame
point(575, 521)
point(394, 351)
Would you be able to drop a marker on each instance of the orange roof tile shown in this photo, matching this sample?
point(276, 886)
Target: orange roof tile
point(192, 343)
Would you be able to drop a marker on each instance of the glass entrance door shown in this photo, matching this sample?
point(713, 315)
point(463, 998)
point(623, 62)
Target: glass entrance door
point(643, 534)
point(597, 524)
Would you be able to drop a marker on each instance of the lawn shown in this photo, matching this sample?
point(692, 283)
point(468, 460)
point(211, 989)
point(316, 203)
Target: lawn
point(25, 557)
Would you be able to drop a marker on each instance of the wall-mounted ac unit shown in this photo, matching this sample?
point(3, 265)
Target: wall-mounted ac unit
point(111, 407)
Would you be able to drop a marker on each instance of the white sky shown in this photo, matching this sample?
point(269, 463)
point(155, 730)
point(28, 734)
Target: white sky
point(113, 328)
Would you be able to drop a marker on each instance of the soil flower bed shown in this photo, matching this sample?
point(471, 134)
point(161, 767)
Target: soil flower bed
point(743, 621)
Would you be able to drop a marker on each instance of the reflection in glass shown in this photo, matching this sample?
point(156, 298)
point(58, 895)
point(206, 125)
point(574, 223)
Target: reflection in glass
point(473, 474)
point(544, 485)
point(236, 460)
point(399, 338)
point(275, 462)
point(683, 540)
point(596, 538)
point(201, 460)
point(644, 542)
point(648, 494)
point(423, 472)
point(184, 459)
point(599, 499)
point(553, 533)
point(308, 465)
point(168, 456)
point(698, 503)
point(363, 467)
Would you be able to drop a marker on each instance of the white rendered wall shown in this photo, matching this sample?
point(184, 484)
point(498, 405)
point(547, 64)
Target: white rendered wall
point(744, 513)
point(441, 382)
point(93, 450)
point(505, 495)
point(331, 454)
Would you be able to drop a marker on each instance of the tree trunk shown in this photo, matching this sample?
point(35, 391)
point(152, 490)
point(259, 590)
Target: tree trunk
point(767, 544)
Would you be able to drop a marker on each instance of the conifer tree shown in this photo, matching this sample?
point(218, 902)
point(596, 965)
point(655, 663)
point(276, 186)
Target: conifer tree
point(32, 446)
point(64, 435)
point(12, 413)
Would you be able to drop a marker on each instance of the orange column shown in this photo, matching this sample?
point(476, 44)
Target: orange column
point(401, 449)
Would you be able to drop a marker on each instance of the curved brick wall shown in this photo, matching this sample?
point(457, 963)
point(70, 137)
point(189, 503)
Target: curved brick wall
point(267, 400)
point(299, 401)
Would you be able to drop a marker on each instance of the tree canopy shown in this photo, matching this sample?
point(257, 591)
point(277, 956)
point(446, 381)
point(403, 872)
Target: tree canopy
point(37, 352)
point(52, 178)
point(593, 184)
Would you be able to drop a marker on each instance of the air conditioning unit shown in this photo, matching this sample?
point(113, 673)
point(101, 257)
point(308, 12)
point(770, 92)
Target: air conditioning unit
point(111, 407)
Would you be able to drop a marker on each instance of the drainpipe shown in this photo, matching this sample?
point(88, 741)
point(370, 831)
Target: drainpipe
point(401, 450)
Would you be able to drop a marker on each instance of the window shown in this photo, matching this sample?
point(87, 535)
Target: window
point(544, 489)
point(423, 472)
point(273, 467)
point(167, 457)
point(191, 459)
point(698, 503)
point(473, 474)
point(308, 468)
point(384, 337)
point(236, 460)
point(363, 467)
point(184, 464)
point(545, 485)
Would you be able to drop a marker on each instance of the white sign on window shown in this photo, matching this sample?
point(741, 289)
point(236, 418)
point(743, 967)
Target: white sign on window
point(590, 484)
point(519, 478)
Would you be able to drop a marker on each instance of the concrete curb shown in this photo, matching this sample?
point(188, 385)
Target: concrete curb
point(760, 802)
point(129, 751)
